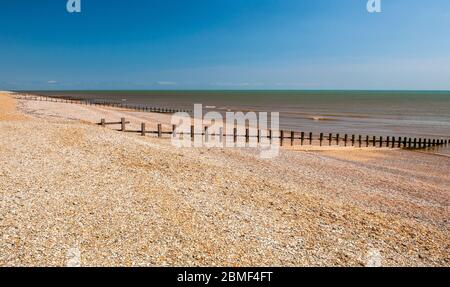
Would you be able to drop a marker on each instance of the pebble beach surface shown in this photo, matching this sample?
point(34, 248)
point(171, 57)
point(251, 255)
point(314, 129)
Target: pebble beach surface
point(75, 194)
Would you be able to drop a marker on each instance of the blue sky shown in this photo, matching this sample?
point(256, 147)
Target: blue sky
point(227, 44)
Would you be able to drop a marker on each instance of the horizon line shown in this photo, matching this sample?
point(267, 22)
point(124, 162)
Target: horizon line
point(231, 90)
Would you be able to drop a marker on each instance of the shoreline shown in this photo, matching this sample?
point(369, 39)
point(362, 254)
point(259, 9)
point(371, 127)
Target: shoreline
point(153, 119)
point(126, 200)
point(344, 112)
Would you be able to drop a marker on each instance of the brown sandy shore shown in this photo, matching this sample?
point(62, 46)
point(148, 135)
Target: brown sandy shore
point(71, 191)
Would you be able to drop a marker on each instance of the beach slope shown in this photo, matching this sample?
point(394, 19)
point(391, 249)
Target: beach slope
point(74, 193)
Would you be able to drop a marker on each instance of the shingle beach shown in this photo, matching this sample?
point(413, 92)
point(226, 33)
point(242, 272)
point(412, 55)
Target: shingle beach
point(72, 191)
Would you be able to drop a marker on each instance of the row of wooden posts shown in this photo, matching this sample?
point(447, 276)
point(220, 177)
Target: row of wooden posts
point(287, 138)
point(91, 102)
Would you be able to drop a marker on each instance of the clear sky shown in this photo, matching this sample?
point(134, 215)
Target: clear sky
point(225, 44)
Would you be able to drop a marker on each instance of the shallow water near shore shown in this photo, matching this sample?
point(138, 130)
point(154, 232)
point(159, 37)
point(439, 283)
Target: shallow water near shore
point(386, 113)
point(444, 150)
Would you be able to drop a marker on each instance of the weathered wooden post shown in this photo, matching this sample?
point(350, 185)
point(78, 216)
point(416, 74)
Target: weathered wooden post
point(393, 142)
point(388, 141)
point(103, 122)
point(302, 138)
point(404, 142)
point(310, 138)
point(353, 140)
point(399, 142)
point(192, 133)
point(330, 137)
point(360, 140)
point(345, 139)
point(381, 141)
point(292, 138)
point(247, 135)
point(320, 139)
point(143, 129)
point(420, 143)
point(159, 130)
point(434, 142)
point(374, 139)
point(367, 141)
point(337, 139)
point(221, 135)
point(409, 143)
point(174, 131)
point(415, 143)
point(259, 136)
point(270, 136)
point(234, 134)
point(206, 135)
point(122, 123)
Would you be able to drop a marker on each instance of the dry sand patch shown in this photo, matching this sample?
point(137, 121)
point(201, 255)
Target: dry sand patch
point(8, 110)
point(358, 155)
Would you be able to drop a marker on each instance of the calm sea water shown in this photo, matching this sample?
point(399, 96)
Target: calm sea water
point(386, 113)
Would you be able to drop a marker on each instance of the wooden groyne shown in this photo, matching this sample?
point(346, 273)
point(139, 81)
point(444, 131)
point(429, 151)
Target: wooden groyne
point(94, 102)
point(292, 138)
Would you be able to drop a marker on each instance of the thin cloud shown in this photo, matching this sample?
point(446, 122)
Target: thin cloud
point(297, 84)
point(166, 83)
point(237, 84)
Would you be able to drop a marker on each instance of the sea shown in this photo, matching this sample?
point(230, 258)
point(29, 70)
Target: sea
point(413, 114)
